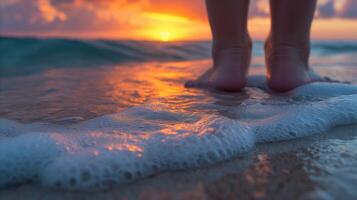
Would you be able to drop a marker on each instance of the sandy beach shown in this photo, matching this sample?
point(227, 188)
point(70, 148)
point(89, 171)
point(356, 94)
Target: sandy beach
point(300, 169)
point(318, 167)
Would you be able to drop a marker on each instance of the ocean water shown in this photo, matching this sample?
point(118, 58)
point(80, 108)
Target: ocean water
point(92, 114)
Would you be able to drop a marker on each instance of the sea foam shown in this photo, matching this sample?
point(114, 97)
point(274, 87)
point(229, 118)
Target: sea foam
point(149, 139)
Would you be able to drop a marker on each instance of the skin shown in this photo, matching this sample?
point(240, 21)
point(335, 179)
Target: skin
point(287, 47)
point(231, 49)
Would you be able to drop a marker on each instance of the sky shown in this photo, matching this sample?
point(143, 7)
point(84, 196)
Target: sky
point(163, 20)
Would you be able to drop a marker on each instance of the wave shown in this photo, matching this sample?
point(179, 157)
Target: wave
point(22, 56)
point(318, 48)
point(149, 139)
point(337, 47)
point(35, 52)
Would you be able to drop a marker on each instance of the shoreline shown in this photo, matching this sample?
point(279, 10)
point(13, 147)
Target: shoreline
point(278, 170)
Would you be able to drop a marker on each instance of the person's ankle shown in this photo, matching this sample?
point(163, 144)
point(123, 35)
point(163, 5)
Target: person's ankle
point(293, 49)
point(234, 43)
point(271, 43)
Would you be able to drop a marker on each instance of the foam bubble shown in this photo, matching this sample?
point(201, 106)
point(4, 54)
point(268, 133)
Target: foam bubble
point(141, 141)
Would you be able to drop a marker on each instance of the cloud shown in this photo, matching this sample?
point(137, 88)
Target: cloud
point(65, 15)
point(349, 9)
point(259, 8)
point(99, 15)
point(326, 9)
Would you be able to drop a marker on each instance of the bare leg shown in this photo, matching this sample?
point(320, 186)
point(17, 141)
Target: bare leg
point(288, 45)
point(231, 49)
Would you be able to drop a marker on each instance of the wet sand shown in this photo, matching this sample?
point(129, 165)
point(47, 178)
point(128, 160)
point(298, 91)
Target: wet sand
point(319, 167)
point(297, 169)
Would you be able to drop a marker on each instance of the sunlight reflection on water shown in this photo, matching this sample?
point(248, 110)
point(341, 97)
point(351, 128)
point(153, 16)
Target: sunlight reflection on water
point(68, 96)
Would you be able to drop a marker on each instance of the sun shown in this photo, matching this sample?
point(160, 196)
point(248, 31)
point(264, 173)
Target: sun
point(165, 27)
point(165, 36)
point(165, 32)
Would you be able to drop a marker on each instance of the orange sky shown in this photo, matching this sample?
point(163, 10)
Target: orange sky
point(161, 20)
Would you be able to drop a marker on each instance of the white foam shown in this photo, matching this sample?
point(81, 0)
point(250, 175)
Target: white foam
point(149, 139)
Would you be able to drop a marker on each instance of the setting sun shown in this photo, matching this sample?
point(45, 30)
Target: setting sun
point(157, 20)
point(165, 27)
point(165, 36)
point(163, 32)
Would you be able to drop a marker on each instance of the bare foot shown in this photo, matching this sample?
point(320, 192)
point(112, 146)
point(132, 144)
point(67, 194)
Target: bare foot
point(229, 71)
point(287, 67)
